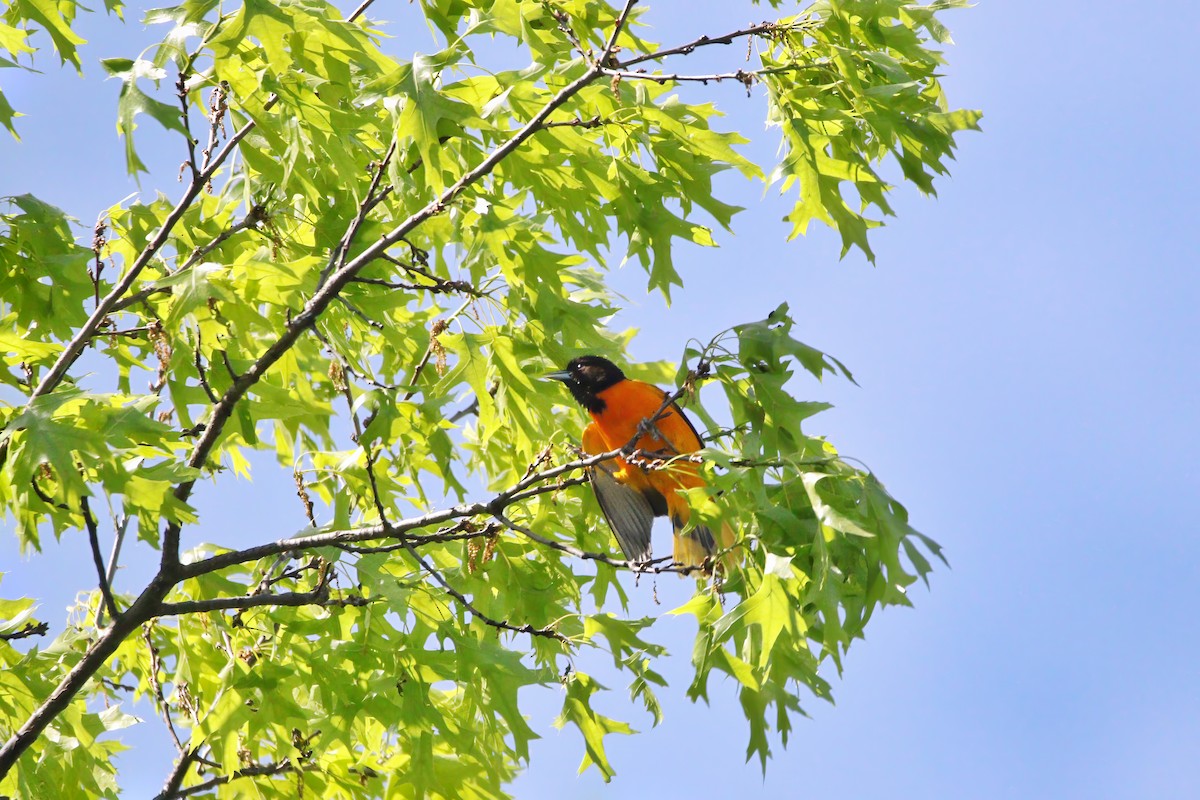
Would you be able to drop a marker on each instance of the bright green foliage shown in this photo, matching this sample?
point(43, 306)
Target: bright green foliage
point(74, 761)
point(852, 83)
point(369, 264)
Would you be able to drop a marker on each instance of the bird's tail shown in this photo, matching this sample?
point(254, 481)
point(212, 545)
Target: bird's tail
point(693, 547)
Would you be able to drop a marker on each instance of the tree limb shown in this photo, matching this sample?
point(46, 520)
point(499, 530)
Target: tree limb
point(548, 633)
point(654, 566)
point(705, 41)
point(255, 216)
point(94, 540)
point(160, 700)
point(317, 597)
point(30, 629)
point(175, 779)
point(523, 489)
point(464, 530)
point(746, 77)
point(256, 771)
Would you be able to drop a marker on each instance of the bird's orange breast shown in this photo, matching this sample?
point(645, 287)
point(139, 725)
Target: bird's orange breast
point(626, 405)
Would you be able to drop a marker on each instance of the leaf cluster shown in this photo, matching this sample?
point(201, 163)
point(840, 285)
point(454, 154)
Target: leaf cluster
point(370, 261)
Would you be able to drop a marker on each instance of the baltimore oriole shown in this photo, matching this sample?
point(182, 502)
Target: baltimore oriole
point(630, 496)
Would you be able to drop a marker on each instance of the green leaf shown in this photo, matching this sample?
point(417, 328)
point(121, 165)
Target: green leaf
point(133, 101)
point(594, 726)
point(54, 17)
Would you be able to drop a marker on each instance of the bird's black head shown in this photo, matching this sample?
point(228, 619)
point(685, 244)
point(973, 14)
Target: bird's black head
point(586, 377)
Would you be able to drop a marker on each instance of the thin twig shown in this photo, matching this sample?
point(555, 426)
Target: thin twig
point(345, 365)
point(94, 540)
point(563, 19)
point(548, 633)
point(356, 311)
point(317, 597)
point(198, 362)
point(256, 771)
point(130, 332)
point(218, 107)
point(181, 91)
point(358, 12)
point(233, 375)
point(432, 348)
point(255, 216)
point(746, 77)
point(705, 41)
point(156, 686)
point(30, 629)
point(98, 244)
point(462, 531)
point(372, 199)
point(439, 285)
point(594, 122)
point(653, 566)
point(120, 526)
point(618, 26)
point(472, 408)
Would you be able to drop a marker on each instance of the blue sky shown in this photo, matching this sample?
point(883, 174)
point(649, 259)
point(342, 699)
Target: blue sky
point(1025, 349)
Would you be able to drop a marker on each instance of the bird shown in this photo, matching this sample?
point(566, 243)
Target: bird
point(631, 496)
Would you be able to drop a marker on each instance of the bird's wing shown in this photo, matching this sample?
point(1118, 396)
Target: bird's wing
point(627, 509)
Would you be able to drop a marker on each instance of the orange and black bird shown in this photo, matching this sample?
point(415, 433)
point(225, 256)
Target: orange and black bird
point(629, 496)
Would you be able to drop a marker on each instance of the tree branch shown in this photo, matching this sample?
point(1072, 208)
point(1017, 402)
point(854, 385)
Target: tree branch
point(255, 216)
point(464, 530)
point(30, 629)
point(160, 700)
point(317, 597)
point(94, 540)
point(746, 77)
point(175, 779)
point(705, 41)
point(500, 624)
point(652, 566)
point(256, 771)
point(525, 488)
point(358, 12)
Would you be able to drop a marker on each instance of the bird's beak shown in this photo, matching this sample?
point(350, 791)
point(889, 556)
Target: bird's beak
point(561, 375)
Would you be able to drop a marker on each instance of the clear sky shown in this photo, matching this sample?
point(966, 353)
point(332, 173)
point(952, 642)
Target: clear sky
point(1026, 353)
